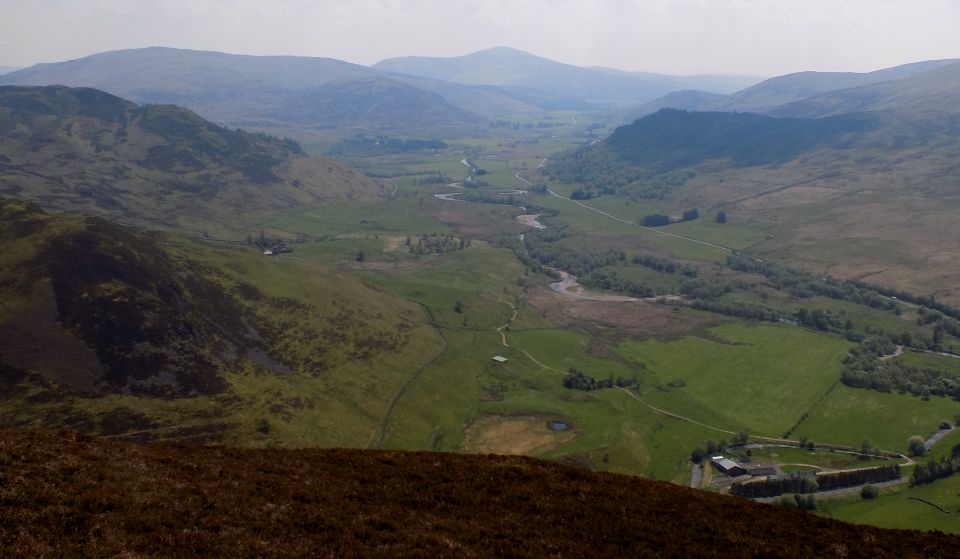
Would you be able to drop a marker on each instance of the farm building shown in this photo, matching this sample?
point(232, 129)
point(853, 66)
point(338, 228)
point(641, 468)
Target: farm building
point(499, 359)
point(728, 466)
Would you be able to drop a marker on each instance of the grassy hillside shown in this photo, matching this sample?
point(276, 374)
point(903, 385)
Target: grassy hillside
point(70, 495)
point(109, 330)
point(85, 150)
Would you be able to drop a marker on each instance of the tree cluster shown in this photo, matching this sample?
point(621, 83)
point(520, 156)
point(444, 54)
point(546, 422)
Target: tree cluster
point(773, 486)
point(863, 368)
point(435, 244)
point(655, 220)
point(664, 265)
point(851, 478)
point(936, 469)
point(576, 380)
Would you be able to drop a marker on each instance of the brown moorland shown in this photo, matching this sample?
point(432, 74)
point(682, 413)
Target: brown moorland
point(65, 494)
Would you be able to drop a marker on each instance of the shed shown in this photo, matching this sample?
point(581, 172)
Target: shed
point(728, 466)
point(499, 359)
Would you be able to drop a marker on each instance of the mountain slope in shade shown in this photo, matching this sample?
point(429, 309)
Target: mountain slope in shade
point(83, 149)
point(66, 494)
point(233, 89)
point(513, 69)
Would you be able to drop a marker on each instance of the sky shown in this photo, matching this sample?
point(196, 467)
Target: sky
point(754, 37)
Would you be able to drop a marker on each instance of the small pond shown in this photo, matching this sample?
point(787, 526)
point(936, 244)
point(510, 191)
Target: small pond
point(559, 426)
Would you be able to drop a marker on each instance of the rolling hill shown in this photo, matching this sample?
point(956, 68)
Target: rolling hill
point(553, 84)
point(325, 96)
point(84, 150)
point(66, 494)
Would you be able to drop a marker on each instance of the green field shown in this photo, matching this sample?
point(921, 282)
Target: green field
point(904, 509)
point(851, 415)
point(755, 377)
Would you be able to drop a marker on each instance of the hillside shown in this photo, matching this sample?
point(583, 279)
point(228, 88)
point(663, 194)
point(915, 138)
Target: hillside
point(687, 100)
point(518, 72)
point(672, 139)
point(84, 150)
point(110, 330)
point(768, 95)
point(66, 494)
point(935, 90)
point(324, 95)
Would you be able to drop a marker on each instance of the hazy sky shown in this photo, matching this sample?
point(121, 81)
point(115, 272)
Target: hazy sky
point(760, 37)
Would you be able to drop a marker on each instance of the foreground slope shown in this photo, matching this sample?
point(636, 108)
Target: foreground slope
point(85, 150)
point(65, 494)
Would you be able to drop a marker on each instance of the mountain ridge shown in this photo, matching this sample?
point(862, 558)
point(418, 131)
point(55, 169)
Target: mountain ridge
point(776, 94)
point(508, 67)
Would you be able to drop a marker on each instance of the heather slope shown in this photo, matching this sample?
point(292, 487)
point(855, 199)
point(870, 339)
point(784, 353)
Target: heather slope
point(70, 495)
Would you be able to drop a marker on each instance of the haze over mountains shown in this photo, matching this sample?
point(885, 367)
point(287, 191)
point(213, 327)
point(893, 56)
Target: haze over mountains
point(321, 95)
point(525, 75)
point(873, 90)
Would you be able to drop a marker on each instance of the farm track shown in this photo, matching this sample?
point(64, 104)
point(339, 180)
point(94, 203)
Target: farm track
point(385, 427)
point(503, 339)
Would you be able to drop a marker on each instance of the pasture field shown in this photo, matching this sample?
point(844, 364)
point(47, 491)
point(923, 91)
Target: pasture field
point(755, 377)
point(904, 508)
point(852, 415)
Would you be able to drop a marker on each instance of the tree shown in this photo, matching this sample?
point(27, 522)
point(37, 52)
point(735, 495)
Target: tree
point(360, 257)
point(916, 446)
point(458, 306)
point(697, 455)
point(691, 214)
point(721, 217)
point(869, 491)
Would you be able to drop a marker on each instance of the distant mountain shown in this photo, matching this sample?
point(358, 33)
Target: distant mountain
point(937, 89)
point(85, 150)
point(769, 95)
point(322, 93)
point(8, 69)
point(516, 71)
